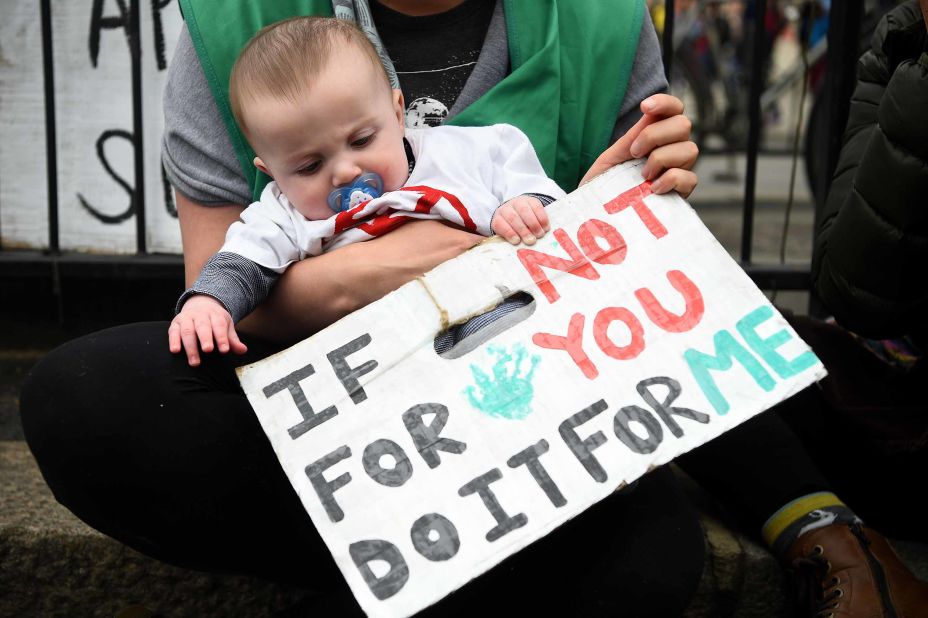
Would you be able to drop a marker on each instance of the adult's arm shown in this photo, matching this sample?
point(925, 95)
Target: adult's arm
point(316, 292)
point(871, 252)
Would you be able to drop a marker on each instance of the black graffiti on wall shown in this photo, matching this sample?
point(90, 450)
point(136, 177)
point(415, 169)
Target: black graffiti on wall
point(101, 155)
point(156, 8)
point(100, 22)
point(108, 15)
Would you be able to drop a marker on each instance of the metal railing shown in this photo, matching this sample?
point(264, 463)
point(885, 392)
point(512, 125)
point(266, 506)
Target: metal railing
point(843, 27)
point(844, 24)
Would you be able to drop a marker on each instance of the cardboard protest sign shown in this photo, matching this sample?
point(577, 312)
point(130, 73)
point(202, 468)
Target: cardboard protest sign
point(420, 472)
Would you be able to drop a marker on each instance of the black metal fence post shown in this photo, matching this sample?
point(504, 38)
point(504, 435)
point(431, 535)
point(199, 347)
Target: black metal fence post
point(667, 38)
point(135, 51)
point(755, 120)
point(51, 153)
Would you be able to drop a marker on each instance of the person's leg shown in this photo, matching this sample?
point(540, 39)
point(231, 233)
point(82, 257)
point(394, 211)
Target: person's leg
point(869, 433)
point(172, 461)
point(755, 469)
point(762, 472)
point(166, 458)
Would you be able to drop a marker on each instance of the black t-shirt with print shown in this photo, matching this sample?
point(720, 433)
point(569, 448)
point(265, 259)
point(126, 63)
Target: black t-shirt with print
point(432, 82)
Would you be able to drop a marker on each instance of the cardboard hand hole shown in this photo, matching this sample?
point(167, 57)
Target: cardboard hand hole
point(460, 339)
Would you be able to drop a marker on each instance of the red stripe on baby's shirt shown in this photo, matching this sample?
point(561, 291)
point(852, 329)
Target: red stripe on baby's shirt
point(386, 222)
point(430, 197)
point(346, 219)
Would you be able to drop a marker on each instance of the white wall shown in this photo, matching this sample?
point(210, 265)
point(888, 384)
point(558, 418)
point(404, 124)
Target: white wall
point(93, 105)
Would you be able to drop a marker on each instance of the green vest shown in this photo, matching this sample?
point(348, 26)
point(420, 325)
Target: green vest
point(570, 63)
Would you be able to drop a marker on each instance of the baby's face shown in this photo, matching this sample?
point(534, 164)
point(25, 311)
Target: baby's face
point(347, 122)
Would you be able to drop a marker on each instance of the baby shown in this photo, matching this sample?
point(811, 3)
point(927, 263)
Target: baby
point(315, 103)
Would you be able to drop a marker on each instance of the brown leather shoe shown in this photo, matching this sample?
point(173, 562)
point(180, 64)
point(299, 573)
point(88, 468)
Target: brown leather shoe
point(850, 571)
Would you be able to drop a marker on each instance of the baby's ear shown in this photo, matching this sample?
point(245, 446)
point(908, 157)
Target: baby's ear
point(399, 106)
point(261, 166)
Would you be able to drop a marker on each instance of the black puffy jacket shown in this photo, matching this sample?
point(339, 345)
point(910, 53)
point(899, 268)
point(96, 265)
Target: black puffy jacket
point(870, 261)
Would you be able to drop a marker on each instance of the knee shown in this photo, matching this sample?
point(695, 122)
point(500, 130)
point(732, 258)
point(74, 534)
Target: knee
point(69, 408)
point(45, 418)
point(40, 395)
point(51, 405)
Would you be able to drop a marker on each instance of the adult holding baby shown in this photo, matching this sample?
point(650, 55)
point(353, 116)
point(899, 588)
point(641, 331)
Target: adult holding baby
point(170, 459)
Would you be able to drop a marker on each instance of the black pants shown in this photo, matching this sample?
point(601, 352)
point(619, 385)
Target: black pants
point(171, 460)
point(866, 428)
point(754, 469)
point(862, 433)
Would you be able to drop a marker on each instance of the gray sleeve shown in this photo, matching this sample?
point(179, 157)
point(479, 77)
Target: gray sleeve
point(647, 78)
point(196, 151)
point(235, 281)
point(545, 200)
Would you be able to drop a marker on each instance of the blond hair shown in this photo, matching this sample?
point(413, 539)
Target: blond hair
point(282, 58)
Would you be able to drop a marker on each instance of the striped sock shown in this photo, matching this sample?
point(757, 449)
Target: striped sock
point(804, 514)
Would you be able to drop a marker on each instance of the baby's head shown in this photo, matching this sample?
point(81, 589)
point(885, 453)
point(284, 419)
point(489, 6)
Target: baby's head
point(315, 103)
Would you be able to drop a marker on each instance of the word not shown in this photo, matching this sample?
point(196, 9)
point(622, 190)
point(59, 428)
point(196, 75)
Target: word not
point(602, 243)
point(590, 235)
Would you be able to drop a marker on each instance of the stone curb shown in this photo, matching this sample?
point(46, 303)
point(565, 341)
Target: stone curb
point(52, 564)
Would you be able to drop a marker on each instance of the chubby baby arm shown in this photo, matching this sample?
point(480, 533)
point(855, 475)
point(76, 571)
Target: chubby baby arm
point(521, 219)
point(203, 323)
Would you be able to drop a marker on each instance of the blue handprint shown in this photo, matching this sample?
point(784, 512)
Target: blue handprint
point(507, 393)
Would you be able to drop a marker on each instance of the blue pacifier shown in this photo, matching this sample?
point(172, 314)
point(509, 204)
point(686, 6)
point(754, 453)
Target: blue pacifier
point(365, 187)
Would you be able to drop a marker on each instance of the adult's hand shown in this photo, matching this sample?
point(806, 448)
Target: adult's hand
point(663, 136)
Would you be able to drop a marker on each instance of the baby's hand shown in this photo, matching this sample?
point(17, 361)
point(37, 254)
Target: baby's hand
point(521, 219)
point(203, 320)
